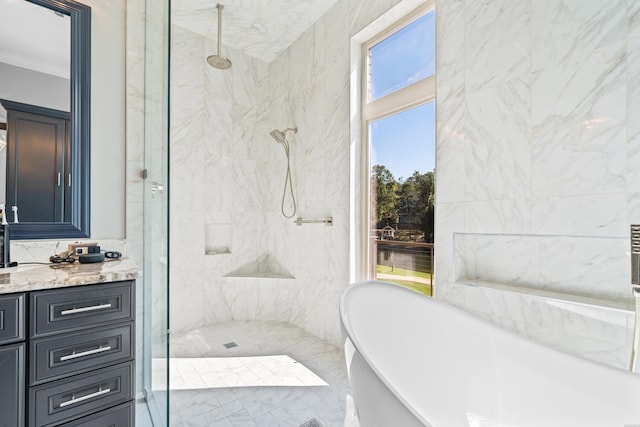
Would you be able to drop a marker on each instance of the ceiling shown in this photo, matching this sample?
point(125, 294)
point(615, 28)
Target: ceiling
point(34, 37)
point(260, 28)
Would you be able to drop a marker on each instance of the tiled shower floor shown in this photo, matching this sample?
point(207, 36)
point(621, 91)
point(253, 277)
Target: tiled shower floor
point(277, 375)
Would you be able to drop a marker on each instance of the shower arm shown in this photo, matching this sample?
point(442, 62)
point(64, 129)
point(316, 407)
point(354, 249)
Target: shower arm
point(220, 7)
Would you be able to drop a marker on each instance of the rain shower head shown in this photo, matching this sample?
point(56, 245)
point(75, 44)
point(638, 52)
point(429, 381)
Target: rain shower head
point(219, 61)
point(280, 135)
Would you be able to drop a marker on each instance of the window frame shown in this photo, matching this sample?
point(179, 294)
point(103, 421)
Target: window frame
point(411, 96)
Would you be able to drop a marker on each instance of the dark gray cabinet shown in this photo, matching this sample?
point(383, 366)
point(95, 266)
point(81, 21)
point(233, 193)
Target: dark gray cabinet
point(118, 416)
point(12, 318)
point(78, 308)
point(12, 360)
point(60, 356)
point(69, 398)
point(38, 162)
point(12, 390)
point(80, 350)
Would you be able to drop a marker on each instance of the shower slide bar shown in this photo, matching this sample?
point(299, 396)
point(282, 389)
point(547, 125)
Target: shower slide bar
point(328, 221)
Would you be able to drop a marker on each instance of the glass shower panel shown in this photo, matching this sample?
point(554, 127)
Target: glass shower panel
point(156, 212)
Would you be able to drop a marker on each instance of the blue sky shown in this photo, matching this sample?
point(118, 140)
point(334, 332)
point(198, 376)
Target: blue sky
point(404, 142)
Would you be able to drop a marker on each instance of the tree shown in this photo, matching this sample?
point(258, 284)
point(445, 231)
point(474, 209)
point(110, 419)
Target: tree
point(416, 197)
point(384, 187)
point(425, 189)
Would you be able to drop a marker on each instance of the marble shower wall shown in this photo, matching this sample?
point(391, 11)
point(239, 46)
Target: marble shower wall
point(537, 162)
point(538, 145)
point(228, 175)
point(218, 220)
point(309, 87)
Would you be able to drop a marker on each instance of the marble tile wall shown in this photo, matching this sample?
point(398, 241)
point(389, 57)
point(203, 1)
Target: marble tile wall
point(591, 331)
point(532, 262)
point(219, 169)
point(228, 174)
point(308, 87)
point(536, 133)
point(537, 150)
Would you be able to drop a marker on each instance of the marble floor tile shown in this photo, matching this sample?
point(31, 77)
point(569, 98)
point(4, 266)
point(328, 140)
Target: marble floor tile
point(277, 375)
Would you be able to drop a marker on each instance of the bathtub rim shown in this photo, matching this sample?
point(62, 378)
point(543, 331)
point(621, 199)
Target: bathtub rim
point(344, 320)
point(358, 347)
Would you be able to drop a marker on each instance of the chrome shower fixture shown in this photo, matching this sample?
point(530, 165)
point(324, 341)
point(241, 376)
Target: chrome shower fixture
point(281, 137)
point(218, 61)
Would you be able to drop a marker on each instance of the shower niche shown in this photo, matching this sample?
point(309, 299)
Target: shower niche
point(217, 238)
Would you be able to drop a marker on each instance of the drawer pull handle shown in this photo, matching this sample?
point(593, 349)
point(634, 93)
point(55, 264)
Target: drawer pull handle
point(85, 309)
point(85, 353)
point(85, 397)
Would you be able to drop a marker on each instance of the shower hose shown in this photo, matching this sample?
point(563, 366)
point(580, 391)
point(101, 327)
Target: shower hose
point(288, 183)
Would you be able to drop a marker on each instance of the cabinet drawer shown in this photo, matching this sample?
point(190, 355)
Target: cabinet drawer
point(81, 307)
point(120, 416)
point(63, 355)
point(68, 399)
point(11, 318)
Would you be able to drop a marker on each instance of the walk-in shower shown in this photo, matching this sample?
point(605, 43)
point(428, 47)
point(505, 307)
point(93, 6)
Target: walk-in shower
point(281, 137)
point(219, 61)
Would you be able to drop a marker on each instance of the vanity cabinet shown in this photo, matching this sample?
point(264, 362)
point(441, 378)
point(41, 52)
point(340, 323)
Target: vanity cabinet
point(80, 349)
point(12, 360)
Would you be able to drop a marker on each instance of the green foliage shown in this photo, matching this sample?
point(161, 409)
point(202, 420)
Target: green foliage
point(384, 187)
point(405, 203)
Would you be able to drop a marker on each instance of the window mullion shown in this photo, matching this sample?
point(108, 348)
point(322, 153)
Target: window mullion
point(403, 99)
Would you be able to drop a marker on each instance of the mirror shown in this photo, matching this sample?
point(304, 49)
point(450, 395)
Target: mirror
point(45, 46)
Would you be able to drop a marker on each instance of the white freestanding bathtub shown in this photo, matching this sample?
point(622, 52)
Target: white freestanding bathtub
point(414, 361)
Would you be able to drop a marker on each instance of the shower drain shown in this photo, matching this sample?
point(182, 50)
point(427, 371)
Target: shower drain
point(230, 345)
point(312, 423)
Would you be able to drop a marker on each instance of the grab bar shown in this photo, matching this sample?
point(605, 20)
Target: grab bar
point(328, 221)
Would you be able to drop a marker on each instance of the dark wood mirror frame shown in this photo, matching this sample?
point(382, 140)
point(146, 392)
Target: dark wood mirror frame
point(80, 131)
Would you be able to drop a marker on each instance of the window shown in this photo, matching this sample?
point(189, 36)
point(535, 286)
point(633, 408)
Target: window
point(412, 46)
point(398, 112)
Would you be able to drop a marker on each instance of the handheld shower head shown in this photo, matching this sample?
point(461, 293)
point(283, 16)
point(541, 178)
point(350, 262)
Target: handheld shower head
point(280, 135)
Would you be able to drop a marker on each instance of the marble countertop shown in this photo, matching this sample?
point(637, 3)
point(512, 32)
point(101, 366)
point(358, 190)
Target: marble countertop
point(33, 277)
